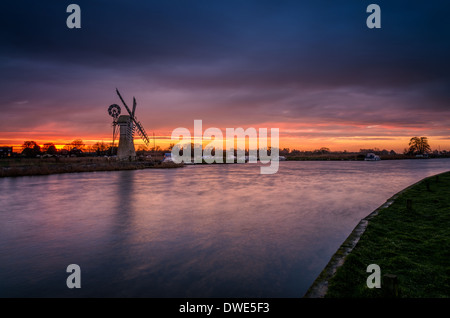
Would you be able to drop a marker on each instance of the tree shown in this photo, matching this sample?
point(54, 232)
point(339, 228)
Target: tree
point(171, 145)
point(419, 145)
point(29, 144)
point(31, 149)
point(100, 148)
point(49, 148)
point(284, 152)
point(323, 150)
point(77, 143)
point(142, 149)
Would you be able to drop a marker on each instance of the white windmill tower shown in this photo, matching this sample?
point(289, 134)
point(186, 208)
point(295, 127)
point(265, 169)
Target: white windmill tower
point(128, 125)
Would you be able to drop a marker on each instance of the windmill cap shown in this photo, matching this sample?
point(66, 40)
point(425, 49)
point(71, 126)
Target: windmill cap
point(123, 119)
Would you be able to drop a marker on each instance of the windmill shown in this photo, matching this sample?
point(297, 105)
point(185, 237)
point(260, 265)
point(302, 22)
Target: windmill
point(128, 125)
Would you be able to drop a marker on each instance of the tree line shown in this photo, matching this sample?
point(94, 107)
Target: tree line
point(417, 146)
point(76, 147)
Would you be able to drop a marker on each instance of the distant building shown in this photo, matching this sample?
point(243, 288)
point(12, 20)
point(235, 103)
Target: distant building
point(6, 152)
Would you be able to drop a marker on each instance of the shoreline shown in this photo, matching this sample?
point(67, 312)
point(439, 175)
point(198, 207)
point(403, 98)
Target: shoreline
point(319, 287)
point(77, 166)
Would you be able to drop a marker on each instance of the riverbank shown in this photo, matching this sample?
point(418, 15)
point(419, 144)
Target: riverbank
point(408, 237)
point(34, 167)
point(358, 157)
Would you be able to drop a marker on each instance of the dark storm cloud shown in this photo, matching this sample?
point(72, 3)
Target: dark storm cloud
point(303, 42)
point(289, 60)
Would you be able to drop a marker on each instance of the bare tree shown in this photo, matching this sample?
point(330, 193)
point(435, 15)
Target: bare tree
point(78, 143)
point(100, 148)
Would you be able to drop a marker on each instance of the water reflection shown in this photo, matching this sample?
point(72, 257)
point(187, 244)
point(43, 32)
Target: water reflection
point(200, 231)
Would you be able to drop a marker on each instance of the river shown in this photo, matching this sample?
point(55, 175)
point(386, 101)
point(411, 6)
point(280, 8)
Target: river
point(198, 231)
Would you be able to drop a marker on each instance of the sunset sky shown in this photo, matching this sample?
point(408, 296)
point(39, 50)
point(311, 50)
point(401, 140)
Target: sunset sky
point(310, 68)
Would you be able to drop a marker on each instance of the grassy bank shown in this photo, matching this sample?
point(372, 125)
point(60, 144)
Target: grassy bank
point(411, 242)
point(32, 167)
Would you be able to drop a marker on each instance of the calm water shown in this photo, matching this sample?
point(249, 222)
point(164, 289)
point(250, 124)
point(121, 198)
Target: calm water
point(199, 231)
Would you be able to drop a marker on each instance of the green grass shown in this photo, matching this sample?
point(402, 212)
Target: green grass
point(412, 244)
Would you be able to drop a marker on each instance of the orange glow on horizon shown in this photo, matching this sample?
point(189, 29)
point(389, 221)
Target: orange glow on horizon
point(337, 136)
point(350, 144)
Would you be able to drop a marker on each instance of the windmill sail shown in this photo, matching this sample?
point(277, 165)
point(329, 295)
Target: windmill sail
point(134, 125)
point(134, 107)
point(123, 102)
point(141, 132)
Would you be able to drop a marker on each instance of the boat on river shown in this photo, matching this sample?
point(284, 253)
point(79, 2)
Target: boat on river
point(372, 157)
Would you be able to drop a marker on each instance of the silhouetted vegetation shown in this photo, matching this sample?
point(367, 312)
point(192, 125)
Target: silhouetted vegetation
point(50, 149)
point(418, 146)
point(30, 149)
